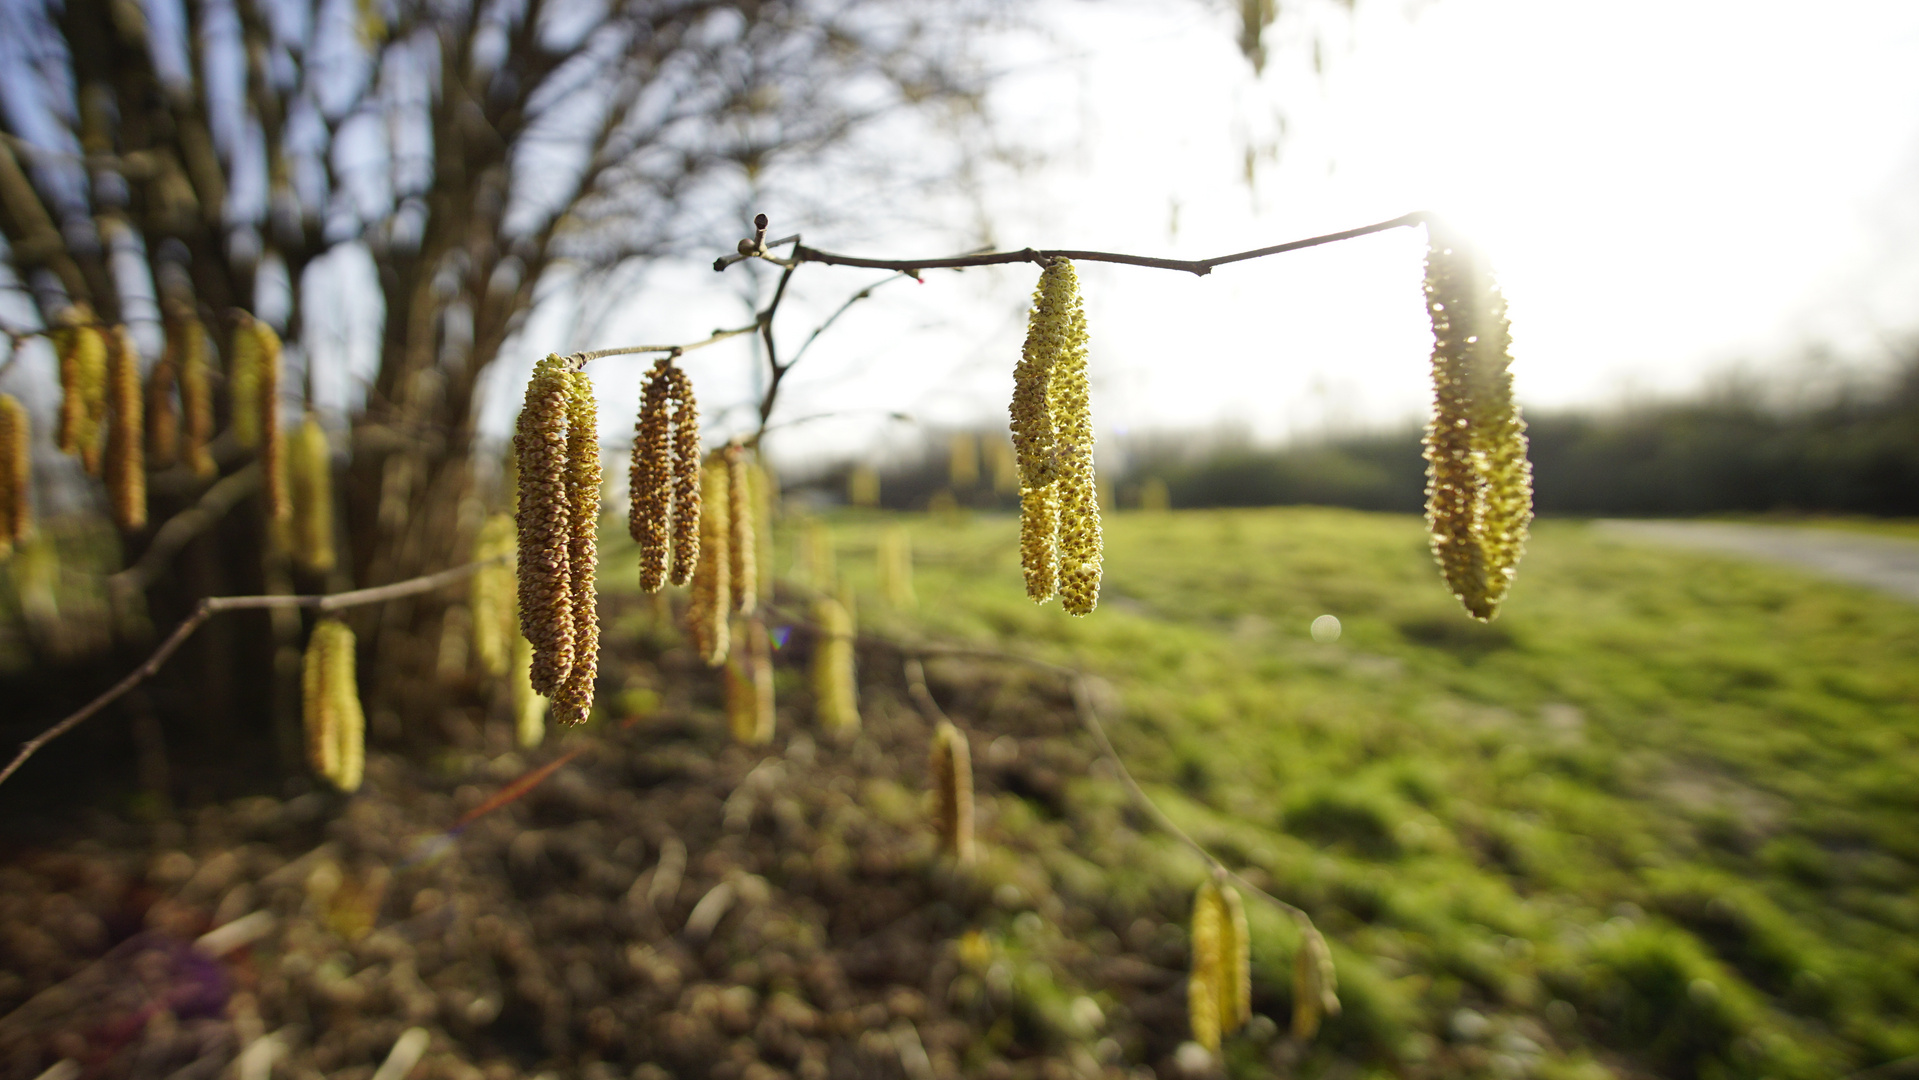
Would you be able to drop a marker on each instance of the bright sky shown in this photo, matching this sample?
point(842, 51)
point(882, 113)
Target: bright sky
point(1666, 188)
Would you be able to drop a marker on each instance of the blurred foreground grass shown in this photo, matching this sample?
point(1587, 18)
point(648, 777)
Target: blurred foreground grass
point(1662, 810)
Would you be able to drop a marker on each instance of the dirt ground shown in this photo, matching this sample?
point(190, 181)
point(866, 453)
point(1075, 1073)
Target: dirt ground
point(665, 904)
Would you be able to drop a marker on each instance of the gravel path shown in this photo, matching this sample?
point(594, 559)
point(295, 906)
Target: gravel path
point(1886, 564)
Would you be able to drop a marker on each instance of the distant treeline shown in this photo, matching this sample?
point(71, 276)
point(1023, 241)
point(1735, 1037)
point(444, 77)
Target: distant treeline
point(1744, 448)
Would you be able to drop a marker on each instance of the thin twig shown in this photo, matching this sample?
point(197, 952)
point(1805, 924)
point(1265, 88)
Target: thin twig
point(184, 526)
point(214, 605)
point(1199, 267)
point(671, 350)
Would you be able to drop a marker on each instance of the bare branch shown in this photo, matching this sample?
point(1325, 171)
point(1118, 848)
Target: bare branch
point(214, 605)
point(1199, 267)
point(184, 526)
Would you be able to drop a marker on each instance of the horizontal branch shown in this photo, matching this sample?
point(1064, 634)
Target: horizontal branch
point(1199, 267)
point(214, 605)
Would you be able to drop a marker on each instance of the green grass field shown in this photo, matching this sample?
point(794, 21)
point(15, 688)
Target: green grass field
point(1658, 819)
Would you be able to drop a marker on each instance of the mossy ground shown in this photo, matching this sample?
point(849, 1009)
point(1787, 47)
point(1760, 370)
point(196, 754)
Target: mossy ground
point(1662, 809)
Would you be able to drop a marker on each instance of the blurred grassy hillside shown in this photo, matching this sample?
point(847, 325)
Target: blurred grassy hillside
point(1655, 820)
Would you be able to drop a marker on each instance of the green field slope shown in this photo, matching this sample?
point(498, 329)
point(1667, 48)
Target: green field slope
point(1660, 819)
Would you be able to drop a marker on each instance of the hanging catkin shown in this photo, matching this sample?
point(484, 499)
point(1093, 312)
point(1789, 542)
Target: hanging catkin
point(16, 473)
point(1070, 397)
point(196, 393)
point(1053, 442)
point(1236, 973)
point(650, 478)
point(951, 766)
point(246, 361)
point(272, 440)
point(575, 699)
point(741, 547)
point(1203, 1005)
point(126, 437)
point(706, 609)
point(896, 567)
point(687, 479)
point(544, 521)
point(83, 384)
point(1315, 985)
point(529, 708)
point(163, 416)
point(1478, 481)
point(335, 726)
point(749, 687)
point(490, 596)
point(835, 692)
point(310, 461)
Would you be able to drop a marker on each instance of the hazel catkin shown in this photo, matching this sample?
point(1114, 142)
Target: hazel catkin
point(310, 465)
point(575, 699)
point(162, 415)
point(1208, 935)
point(16, 473)
point(490, 596)
point(835, 691)
point(126, 471)
point(1478, 479)
point(687, 483)
point(544, 525)
point(650, 478)
point(741, 546)
point(706, 609)
point(1060, 542)
point(196, 394)
point(335, 724)
point(749, 686)
point(951, 765)
point(1315, 984)
point(1070, 396)
point(83, 383)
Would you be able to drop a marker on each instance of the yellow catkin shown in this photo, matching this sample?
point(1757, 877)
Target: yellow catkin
point(650, 476)
point(574, 702)
point(896, 567)
point(272, 440)
point(490, 597)
point(335, 724)
point(863, 486)
point(1209, 930)
point(310, 463)
point(1049, 337)
point(741, 546)
point(1236, 974)
point(1478, 480)
point(962, 461)
point(529, 708)
point(163, 414)
point(1005, 468)
point(1039, 540)
point(126, 472)
point(951, 766)
point(835, 691)
point(543, 519)
point(1315, 986)
point(244, 364)
point(749, 686)
point(706, 609)
point(196, 394)
point(687, 480)
point(1070, 397)
point(16, 473)
point(83, 382)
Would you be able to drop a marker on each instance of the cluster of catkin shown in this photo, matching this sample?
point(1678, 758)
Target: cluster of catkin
point(16, 473)
point(557, 448)
point(335, 725)
point(102, 401)
point(310, 483)
point(1052, 429)
point(665, 479)
point(253, 397)
point(1219, 991)
point(749, 687)
point(951, 766)
point(1478, 481)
